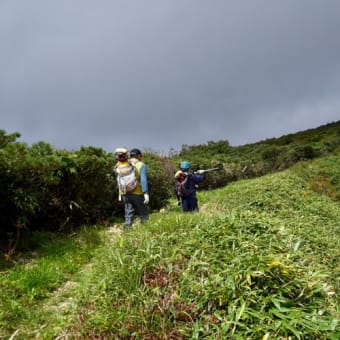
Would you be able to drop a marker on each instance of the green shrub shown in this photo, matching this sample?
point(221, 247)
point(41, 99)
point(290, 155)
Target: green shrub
point(56, 190)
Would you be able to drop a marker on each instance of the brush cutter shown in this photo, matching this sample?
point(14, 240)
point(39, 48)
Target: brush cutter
point(203, 171)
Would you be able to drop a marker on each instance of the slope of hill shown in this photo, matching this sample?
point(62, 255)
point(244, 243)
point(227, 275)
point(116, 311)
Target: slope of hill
point(270, 155)
point(260, 260)
point(43, 188)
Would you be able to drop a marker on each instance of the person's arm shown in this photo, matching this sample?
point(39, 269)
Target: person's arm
point(197, 178)
point(144, 179)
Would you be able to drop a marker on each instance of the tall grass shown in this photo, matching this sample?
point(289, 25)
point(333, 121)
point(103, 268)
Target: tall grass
point(260, 260)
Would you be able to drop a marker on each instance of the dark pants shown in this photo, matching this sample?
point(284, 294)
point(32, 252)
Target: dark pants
point(132, 204)
point(189, 204)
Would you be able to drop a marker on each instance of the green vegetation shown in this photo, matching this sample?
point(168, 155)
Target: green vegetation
point(270, 155)
point(47, 189)
point(259, 261)
point(57, 190)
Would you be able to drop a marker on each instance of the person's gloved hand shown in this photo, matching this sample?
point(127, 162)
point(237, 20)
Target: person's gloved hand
point(200, 172)
point(146, 198)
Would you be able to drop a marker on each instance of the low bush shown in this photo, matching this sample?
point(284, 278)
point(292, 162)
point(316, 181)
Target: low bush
point(57, 190)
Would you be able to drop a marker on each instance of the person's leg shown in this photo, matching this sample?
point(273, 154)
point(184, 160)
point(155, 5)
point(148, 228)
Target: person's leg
point(192, 203)
point(195, 204)
point(143, 210)
point(129, 212)
point(185, 205)
point(138, 203)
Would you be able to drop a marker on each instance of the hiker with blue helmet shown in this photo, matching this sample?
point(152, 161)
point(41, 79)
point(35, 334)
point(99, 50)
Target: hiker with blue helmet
point(186, 187)
point(132, 184)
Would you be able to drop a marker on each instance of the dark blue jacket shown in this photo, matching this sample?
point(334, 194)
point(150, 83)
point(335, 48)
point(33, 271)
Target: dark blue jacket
point(187, 188)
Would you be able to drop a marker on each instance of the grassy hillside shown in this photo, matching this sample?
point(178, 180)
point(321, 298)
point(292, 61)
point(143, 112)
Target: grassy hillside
point(266, 156)
point(47, 189)
point(260, 260)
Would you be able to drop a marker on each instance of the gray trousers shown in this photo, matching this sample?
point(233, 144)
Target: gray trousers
point(135, 204)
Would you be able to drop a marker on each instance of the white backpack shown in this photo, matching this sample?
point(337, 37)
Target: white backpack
point(126, 178)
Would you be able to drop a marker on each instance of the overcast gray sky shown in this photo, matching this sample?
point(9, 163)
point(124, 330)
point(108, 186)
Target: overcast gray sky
point(157, 74)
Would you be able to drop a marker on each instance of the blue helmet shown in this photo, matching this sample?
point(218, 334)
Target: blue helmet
point(185, 165)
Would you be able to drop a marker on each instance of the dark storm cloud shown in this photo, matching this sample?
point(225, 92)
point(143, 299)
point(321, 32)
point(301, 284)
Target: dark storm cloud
point(159, 74)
